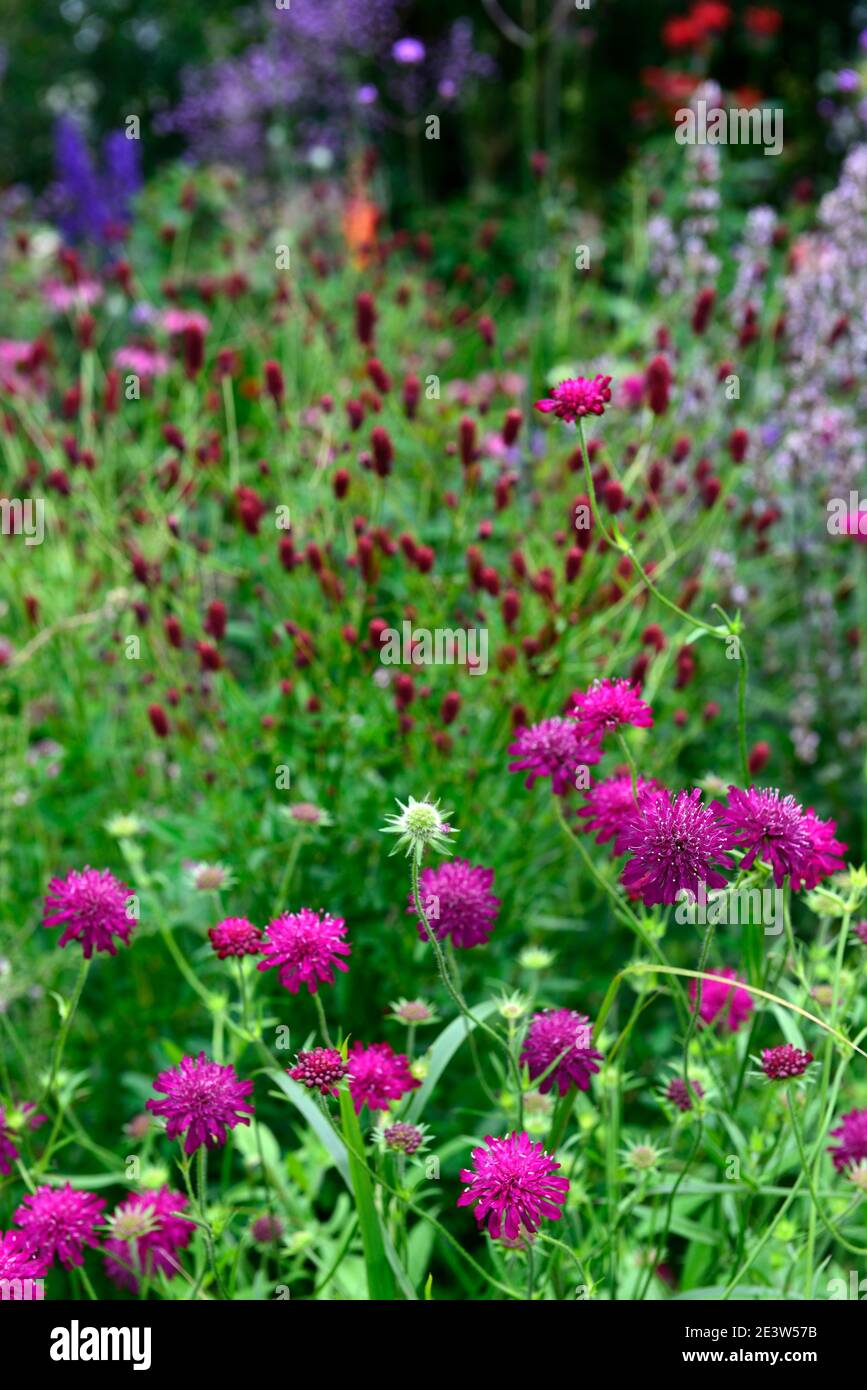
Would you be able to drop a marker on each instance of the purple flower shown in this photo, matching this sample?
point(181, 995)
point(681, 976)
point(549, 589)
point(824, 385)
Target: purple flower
point(561, 1036)
point(824, 856)
point(765, 825)
point(673, 841)
point(403, 1137)
point(202, 1100)
point(367, 95)
point(408, 51)
point(457, 902)
point(552, 749)
point(852, 1133)
point(608, 705)
point(728, 1005)
point(93, 905)
point(320, 1070)
point(59, 1222)
point(377, 1076)
point(94, 206)
point(235, 936)
point(306, 947)
point(609, 802)
point(18, 1261)
point(676, 1091)
point(146, 1234)
point(780, 1063)
point(513, 1187)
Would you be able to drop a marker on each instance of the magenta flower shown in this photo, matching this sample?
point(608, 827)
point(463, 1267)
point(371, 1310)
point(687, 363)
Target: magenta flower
point(457, 903)
point(320, 1070)
point(780, 1063)
point(235, 936)
point(202, 1100)
point(852, 1133)
point(577, 396)
point(677, 1092)
point(727, 1005)
point(306, 947)
point(824, 856)
point(560, 1034)
point(767, 826)
point(58, 1222)
point(860, 930)
point(146, 1234)
point(609, 802)
point(552, 749)
point(93, 905)
point(377, 1076)
point(403, 1137)
point(18, 1261)
point(673, 841)
point(608, 705)
point(408, 51)
point(512, 1184)
point(8, 1150)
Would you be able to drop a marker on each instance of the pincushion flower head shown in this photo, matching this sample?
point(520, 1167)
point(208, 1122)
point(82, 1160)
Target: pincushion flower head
point(572, 399)
point(852, 1133)
point(728, 1005)
point(674, 841)
point(682, 1096)
point(420, 826)
point(824, 855)
point(608, 705)
point(92, 905)
point(415, 1013)
point(378, 1076)
point(401, 1137)
point(306, 947)
point(608, 802)
point(767, 826)
point(146, 1234)
point(11, 1122)
point(457, 902)
point(513, 1186)
point(552, 748)
point(319, 1069)
point(202, 1100)
point(560, 1036)
point(783, 1062)
point(59, 1222)
point(235, 936)
point(18, 1261)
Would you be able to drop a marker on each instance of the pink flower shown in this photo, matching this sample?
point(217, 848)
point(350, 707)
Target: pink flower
point(180, 320)
point(767, 826)
point(306, 947)
point(552, 749)
point(570, 400)
point(146, 1234)
point(561, 1036)
point(377, 1076)
point(65, 297)
point(235, 936)
point(609, 802)
point(142, 361)
point(673, 841)
point(608, 705)
point(93, 904)
point(728, 1005)
point(780, 1063)
point(679, 1095)
point(824, 856)
point(18, 1261)
point(512, 1184)
point(202, 1100)
point(59, 1222)
point(852, 1133)
point(457, 902)
point(320, 1070)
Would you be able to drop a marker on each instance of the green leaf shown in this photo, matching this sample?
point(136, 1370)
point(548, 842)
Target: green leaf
point(380, 1281)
